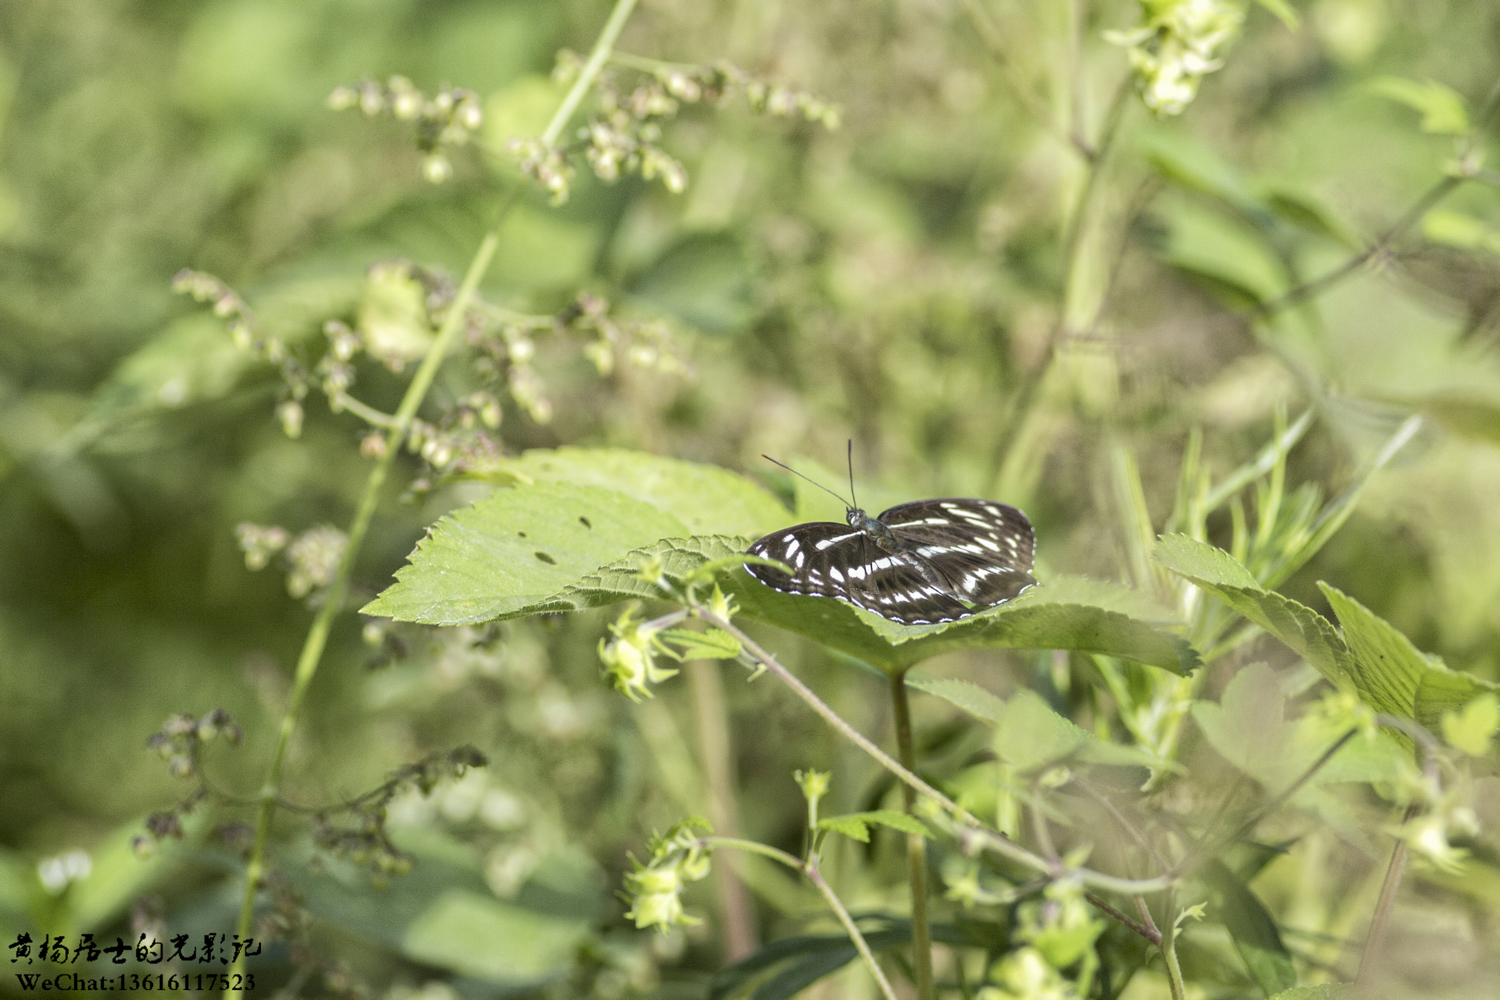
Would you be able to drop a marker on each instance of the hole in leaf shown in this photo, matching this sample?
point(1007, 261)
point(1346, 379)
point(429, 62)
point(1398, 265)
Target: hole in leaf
point(585, 522)
point(544, 557)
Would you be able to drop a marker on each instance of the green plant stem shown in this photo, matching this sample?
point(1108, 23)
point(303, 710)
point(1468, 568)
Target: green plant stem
point(916, 851)
point(717, 755)
point(965, 827)
point(317, 635)
point(809, 868)
point(1381, 919)
point(1169, 957)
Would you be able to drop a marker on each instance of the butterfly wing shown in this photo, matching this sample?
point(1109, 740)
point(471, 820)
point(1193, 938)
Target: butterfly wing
point(835, 560)
point(981, 550)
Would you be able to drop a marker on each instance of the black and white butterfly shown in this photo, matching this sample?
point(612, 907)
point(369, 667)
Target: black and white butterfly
point(917, 563)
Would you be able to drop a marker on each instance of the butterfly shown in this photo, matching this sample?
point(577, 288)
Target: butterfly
point(918, 563)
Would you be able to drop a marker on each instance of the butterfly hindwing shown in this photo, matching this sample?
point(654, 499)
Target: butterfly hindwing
point(982, 550)
point(938, 557)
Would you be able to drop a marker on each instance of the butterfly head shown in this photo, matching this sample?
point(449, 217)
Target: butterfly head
point(857, 518)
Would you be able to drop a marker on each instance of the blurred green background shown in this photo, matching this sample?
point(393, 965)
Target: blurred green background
point(899, 281)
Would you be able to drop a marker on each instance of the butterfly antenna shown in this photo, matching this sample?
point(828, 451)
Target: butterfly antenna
point(794, 472)
point(851, 475)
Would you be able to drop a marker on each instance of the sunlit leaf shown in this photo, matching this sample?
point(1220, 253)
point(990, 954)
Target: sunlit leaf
point(516, 548)
point(708, 500)
point(965, 694)
point(1442, 109)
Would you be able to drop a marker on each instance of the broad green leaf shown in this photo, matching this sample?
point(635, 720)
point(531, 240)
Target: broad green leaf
point(1442, 109)
point(1389, 669)
point(1389, 673)
point(706, 499)
point(1251, 927)
point(1191, 164)
point(1042, 618)
point(477, 935)
point(1307, 210)
point(1030, 735)
point(1471, 728)
point(1308, 633)
point(965, 694)
point(1248, 727)
point(710, 644)
point(443, 914)
point(1224, 253)
point(515, 549)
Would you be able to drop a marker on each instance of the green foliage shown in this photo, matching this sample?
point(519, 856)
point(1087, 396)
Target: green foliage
point(857, 825)
point(996, 277)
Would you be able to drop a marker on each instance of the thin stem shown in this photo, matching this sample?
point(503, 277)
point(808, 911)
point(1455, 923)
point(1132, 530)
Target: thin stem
point(1381, 919)
point(963, 826)
point(317, 635)
point(818, 705)
point(1317, 285)
point(1169, 956)
point(809, 868)
point(916, 852)
point(590, 72)
point(367, 413)
point(1149, 933)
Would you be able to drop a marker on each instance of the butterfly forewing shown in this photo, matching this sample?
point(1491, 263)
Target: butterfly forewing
point(947, 551)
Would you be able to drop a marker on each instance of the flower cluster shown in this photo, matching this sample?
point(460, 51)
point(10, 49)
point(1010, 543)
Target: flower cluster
point(312, 557)
point(1060, 926)
point(180, 743)
point(366, 841)
point(630, 657)
point(1177, 44)
point(448, 118)
point(621, 138)
point(654, 889)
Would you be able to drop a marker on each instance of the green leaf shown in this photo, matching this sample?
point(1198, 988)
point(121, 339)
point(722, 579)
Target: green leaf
point(706, 499)
point(443, 914)
point(1188, 163)
point(856, 825)
point(1308, 633)
point(850, 826)
point(1389, 669)
point(967, 695)
point(1308, 211)
point(1442, 109)
point(1471, 728)
point(1030, 736)
point(1251, 927)
point(1225, 254)
point(1390, 674)
point(710, 644)
point(1444, 225)
point(513, 550)
point(896, 821)
point(1248, 727)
